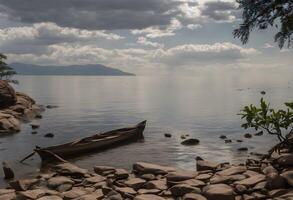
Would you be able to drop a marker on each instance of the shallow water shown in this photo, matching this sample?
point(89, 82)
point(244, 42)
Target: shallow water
point(203, 106)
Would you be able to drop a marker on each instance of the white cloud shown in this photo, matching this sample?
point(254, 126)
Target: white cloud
point(194, 26)
point(146, 42)
point(157, 31)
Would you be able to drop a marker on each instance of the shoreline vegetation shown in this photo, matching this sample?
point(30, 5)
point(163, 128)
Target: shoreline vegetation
point(268, 178)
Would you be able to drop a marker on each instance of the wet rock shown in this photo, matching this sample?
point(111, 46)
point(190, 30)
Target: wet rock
point(34, 132)
point(288, 177)
point(259, 133)
point(223, 137)
point(168, 135)
point(263, 92)
point(228, 141)
point(242, 149)
point(8, 172)
point(7, 95)
point(239, 140)
point(148, 177)
point(202, 165)
point(218, 192)
point(193, 196)
point(148, 197)
point(182, 189)
point(49, 135)
point(183, 137)
point(35, 126)
point(103, 170)
point(275, 181)
point(286, 161)
point(247, 135)
point(189, 142)
point(51, 106)
point(148, 168)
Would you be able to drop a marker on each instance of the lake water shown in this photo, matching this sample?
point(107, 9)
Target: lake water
point(204, 106)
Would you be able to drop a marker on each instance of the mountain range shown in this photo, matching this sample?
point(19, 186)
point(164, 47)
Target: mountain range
point(82, 70)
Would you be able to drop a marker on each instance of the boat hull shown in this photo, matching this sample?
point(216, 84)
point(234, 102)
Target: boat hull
point(94, 143)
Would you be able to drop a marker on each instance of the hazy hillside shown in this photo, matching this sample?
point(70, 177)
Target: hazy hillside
point(86, 70)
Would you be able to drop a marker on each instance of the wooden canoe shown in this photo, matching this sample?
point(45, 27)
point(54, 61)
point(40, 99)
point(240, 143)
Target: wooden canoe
point(93, 143)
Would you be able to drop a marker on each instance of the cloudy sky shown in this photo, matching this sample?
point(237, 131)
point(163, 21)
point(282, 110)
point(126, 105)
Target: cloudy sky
point(142, 36)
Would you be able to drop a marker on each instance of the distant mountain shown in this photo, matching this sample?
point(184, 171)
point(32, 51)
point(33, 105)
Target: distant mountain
point(83, 70)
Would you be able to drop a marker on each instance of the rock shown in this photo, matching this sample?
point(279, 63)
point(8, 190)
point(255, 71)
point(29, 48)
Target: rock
point(182, 189)
point(192, 182)
point(239, 140)
point(218, 192)
point(7, 95)
point(64, 187)
point(263, 92)
point(148, 197)
point(51, 106)
point(247, 135)
point(53, 197)
point(259, 133)
point(286, 161)
point(148, 191)
point(232, 170)
point(125, 190)
point(250, 182)
point(202, 165)
point(193, 196)
point(8, 172)
point(156, 184)
point(94, 179)
point(70, 169)
point(49, 135)
point(8, 196)
point(183, 137)
point(54, 182)
point(275, 181)
point(191, 141)
point(102, 170)
point(35, 126)
point(135, 183)
point(168, 135)
point(242, 149)
point(240, 189)
point(148, 168)
point(220, 179)
point(148, 177)
point(228, 141)
point(121, 174)
point(223, 137)
point(180, 176)
point(288, 177)
point(34, 132)
point(8, 123)
point(204, 177)
point(35, 194)
point(23, 184)
point(92, 196)
point(75, 192)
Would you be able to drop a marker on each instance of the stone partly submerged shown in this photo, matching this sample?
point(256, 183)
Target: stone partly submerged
point(14, 108)
point(149, 181)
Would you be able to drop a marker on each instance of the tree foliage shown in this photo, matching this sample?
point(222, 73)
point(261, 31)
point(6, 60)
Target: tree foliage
point(6, 72)
point(261, 14)
point(275, 122)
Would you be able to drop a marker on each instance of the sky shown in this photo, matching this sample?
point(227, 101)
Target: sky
point(140, 36)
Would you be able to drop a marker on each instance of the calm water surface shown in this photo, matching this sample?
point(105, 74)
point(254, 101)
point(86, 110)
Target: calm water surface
point(203, 106)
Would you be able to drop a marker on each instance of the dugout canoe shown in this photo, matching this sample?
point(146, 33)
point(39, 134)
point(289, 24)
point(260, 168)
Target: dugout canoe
point(93, 143)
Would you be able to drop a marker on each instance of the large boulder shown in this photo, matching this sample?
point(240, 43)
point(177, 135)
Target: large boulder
point(7, 95)
point(8, 123)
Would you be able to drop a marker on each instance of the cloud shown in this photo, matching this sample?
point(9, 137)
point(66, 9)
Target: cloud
point(193, 54)
point(194, 26)
point(187, 55)
point(93, 14)
point(220, 11)
point(39, 35)
point(146, 42)
point(157, 31)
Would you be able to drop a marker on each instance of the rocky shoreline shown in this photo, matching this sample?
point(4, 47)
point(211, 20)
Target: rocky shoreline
point(256, 179)
point(16, 107)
